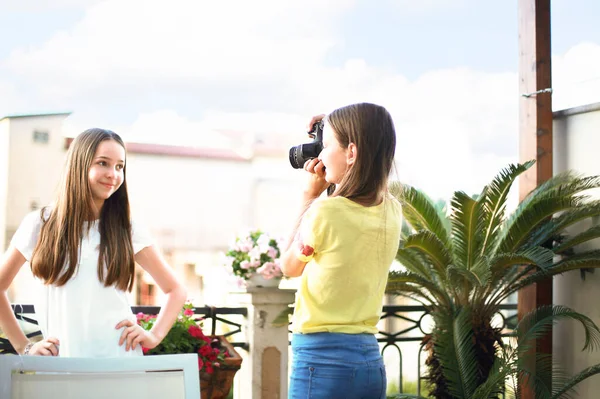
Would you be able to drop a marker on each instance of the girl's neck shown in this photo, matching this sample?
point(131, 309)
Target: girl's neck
point(97, 209)
point(369, 201)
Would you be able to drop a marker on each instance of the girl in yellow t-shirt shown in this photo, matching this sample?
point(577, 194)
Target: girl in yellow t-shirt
point(342, 248)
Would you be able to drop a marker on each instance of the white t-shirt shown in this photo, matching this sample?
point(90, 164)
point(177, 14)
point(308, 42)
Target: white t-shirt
point(83, 313)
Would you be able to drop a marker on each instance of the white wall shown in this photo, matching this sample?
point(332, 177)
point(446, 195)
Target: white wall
point(4, 151)
point(34, 168)
point(193, 206)
point(576, 147)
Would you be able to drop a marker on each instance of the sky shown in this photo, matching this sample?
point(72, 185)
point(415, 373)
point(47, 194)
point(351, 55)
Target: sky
point(181, 72)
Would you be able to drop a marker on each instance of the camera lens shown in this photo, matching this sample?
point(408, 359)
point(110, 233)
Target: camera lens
point(296, 157)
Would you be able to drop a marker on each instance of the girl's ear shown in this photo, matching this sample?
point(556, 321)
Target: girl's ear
point(351, 153)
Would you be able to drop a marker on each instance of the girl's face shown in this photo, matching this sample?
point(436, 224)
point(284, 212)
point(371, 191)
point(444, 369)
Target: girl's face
point(105, 175)
point(335, 158)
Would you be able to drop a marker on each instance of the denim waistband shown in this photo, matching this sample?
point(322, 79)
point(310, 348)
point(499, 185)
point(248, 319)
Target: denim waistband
point(325, 340)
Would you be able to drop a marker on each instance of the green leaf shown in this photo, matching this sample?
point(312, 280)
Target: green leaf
point(467, 222)
point(493, 386)
point(397, 281)
point(496, 194)
point(538, 322)
point(585, 236)
point(413, 262)
point(569, 385)
point(453, 338)
point(435, 250)
point(421, 213)
point(517, 230)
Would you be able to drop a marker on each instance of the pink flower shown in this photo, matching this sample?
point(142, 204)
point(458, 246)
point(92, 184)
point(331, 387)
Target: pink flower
point(188, 312)
point(139, 316)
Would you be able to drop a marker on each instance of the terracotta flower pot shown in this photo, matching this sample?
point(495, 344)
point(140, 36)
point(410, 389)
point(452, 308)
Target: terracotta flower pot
point(218, 384)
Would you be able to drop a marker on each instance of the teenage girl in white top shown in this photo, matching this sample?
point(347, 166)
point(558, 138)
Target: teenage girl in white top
point(83, 251)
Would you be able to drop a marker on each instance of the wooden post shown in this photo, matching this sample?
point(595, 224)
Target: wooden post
point(535, 130)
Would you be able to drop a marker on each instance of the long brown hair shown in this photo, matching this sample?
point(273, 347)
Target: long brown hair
point(56, 254)
point(371, 129)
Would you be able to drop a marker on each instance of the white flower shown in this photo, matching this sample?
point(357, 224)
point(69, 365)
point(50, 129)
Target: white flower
point(272, 252)
point(255, 253)
point(228, 261)
point(263, 243)
point(245, 265)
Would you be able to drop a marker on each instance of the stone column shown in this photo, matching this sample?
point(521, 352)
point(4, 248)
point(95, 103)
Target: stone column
point(267, 374)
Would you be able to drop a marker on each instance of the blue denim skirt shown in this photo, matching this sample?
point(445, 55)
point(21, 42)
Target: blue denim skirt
point(336, 366)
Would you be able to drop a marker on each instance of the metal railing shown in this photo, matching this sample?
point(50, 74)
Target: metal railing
point(403, 324)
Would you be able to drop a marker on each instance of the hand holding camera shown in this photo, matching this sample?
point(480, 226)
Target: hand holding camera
point(306, 156)
point(301, 153)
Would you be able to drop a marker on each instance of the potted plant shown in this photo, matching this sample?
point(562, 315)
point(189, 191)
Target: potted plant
point(217, 359)
point(461, 267)
point(254, 258)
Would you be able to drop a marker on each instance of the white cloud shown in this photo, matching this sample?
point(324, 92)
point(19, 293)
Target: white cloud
point(259, 67)
point(411, 7)
point(183, 40)
point(576, 76)
point(44, 5)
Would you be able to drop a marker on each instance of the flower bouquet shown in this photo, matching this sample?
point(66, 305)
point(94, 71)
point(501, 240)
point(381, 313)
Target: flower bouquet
point(255, 259)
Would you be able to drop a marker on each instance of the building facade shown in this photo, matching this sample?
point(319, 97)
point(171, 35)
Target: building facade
point(194, 201)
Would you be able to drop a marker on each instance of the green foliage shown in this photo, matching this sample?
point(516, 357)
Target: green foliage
point(186, 336)
point(462, 267)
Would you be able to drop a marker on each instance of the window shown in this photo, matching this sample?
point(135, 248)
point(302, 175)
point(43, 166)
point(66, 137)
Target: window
point(40, 136)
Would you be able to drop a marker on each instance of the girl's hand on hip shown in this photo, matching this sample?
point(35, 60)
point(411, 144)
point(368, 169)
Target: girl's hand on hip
point(134, 335)
point(316, 182)
point(46, 347)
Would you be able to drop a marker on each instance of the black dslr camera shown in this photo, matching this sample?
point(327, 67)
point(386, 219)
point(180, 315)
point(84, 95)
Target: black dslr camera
point(303, 152)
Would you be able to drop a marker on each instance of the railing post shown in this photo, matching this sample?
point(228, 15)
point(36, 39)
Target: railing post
point(267, 374)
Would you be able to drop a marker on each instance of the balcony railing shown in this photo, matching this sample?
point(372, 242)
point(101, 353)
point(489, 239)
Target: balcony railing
point(400, 325)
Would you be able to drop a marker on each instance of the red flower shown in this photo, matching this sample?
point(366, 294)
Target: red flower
point(205, 351)
point(306, 250)
point(188, 312)
point(209, 369)
point(196, 331)
point(145, 350)
point(200, 363)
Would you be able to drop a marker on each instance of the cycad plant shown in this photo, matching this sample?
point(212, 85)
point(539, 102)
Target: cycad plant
point(462, 267)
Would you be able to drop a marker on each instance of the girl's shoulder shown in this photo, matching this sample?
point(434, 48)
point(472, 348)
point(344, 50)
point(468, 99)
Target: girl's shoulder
point(37, 217)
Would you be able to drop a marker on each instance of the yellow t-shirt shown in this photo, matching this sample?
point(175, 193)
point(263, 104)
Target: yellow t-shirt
point(350, 249)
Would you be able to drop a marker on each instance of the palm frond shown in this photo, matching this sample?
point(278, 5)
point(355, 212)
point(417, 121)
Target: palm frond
point(495, 201)
point(436, 251)
point(585, 236)
point(589, 259)
point(576, 379)
point(467, 222)
point(565, 184)
point(456, 352)
point(517, 230)
point(493, 386)
point(536, 256)
point(538, 322)
point(413, 261)
point(397, 280)
point(552, 227)
point(420, 212)
point(458, 276)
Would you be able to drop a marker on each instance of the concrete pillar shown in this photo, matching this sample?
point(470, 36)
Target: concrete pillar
point(267, 374)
